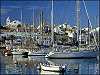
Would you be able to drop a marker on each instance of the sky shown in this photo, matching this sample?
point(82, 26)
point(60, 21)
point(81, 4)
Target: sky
point(63, 11)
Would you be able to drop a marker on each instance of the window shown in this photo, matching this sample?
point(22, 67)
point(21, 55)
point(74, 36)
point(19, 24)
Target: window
point(44, 38)
point(14, 21)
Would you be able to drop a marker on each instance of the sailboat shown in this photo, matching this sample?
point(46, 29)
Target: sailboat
point(84, 53)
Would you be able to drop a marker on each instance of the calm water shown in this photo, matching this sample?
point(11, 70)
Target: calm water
point(30, 64)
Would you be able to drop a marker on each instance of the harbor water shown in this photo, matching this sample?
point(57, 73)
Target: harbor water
point(18, 64)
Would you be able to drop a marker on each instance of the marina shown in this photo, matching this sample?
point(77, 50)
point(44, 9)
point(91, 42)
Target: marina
point(20, 65)
point(42, 39)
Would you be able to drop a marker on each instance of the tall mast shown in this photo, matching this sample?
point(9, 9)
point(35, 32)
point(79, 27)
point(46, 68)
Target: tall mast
point(78, 25)
point(25, 33)
point(99, 29)
point(41, 25)
point(88, 33)
point(98, 41)
point(21, 16)
point(33, 18)
point(21, 23)
point(52, 24)
point(33, 24)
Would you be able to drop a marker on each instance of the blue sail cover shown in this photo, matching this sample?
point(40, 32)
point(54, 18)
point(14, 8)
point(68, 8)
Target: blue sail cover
point(46, 29)
point(44, 46)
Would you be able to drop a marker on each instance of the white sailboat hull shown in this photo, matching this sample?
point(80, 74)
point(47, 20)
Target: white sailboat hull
point(17, 53)
point(39, 53)
point(36, 54)
point(80, 54)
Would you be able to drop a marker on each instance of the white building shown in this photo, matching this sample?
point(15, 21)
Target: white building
point(12, 24)
point(58, 30)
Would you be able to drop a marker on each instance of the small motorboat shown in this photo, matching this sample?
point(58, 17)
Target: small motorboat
point(19, 52)
point(37, 53)
point(51, 68)
point(42, 72)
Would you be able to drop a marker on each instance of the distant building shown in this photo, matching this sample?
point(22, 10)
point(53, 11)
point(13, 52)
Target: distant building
point(64, 28)
point(43, 37)
point(12, 24)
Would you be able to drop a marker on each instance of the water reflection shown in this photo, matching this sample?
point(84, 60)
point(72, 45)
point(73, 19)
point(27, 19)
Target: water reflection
point(71, 61)
point(49, 72)
point(74, 66)
point(18, 64)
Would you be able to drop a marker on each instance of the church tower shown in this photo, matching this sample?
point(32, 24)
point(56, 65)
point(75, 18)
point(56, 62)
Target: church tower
point(7, 21)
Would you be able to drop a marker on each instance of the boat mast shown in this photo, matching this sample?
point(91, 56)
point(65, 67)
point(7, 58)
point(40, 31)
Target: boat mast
point(21, 17)
point(88, 34)
point(25, 35)
point(78, 25)
point(21, 23)
point(98, 58)
point(33, 29)
point(41, 25)
point(33, 20)
point(30, 37)
point(98, 31)
point(52, 24)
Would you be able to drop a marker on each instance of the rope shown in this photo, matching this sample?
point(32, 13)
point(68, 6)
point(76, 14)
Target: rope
point(90, 22)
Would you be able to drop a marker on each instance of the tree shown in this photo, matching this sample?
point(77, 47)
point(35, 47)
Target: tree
point(19, 25)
